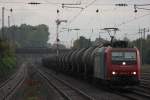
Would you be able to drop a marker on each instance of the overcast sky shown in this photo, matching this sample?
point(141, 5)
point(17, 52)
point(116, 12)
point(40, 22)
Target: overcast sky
point(87, 20)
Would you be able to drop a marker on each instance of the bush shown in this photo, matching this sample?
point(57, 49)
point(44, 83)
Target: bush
point(7, 65)
point(7, 59)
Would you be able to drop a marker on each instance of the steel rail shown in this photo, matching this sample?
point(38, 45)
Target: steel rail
point(76, 92)
point(15, 88)
point(9, 87)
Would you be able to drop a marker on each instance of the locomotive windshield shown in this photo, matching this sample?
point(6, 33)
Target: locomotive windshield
point(119, 56)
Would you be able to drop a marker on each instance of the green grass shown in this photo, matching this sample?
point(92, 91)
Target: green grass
point(7, 66)
point(7, 60)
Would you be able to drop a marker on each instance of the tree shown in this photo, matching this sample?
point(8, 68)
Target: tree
point(7, 59)
point(147, 60)
point(27, 35)
point(82, 42)
point(144, 48)
point(60, 46)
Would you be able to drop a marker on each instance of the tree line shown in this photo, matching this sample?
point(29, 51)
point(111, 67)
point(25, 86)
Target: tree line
point(27, 35)
point(144, 47)
point(19, 37)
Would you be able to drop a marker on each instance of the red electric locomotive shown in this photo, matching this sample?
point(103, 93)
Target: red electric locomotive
point(120, 66)
point(123, 65)
point(112, 63)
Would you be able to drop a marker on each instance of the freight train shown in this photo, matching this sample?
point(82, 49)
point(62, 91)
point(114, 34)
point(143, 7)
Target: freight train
point(114, 63)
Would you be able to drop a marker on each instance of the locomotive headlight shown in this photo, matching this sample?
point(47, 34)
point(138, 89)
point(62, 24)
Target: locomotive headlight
point(113, 73)
point(134, 73)
point(123, 63)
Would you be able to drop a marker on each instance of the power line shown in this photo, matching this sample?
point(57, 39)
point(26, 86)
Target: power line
point(49, 2)
point(75, 17)
point(78, 14)
point(142, 4)
point(143, 8)
point(12, 2)
point(33, 3)
point(131, 20)
point(73, 7)
point(60, 3)
point(91, 3)
point(139, 7)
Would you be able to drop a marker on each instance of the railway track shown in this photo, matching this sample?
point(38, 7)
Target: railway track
point(67, 91)
point(9, 87)
point(137, 94)
point(145, 87)
point(143, 90)
point(141, 95)
point(145, 80)
point(133, 96)
point(130, 95)
point(146, 73)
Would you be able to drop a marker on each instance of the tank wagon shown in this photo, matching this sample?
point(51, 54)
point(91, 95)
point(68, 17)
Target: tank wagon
point(115, 64)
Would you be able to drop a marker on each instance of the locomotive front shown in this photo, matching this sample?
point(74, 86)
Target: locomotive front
point(123, 66)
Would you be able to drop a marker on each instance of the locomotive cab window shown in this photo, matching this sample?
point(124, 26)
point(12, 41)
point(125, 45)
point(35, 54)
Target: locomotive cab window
point(118, 57)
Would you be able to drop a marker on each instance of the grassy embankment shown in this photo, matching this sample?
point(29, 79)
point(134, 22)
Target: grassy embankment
point(7, 60)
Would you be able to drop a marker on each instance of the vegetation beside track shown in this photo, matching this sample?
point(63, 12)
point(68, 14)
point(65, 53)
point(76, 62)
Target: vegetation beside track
point(7, 59)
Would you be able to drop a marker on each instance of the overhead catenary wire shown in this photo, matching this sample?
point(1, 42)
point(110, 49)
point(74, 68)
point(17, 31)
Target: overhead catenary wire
point(78, 14)
point(142, 4)
point(6, 2)
point(46, 2)
point(89, 4)
point(49, 2)
point(54, 3)
point(131, 20)
point(60, 3)
point(142, 8)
